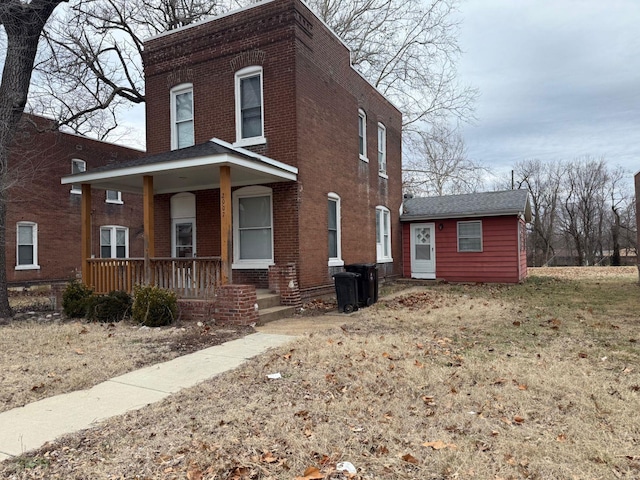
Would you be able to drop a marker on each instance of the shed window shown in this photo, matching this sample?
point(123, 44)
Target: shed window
point(470, 236)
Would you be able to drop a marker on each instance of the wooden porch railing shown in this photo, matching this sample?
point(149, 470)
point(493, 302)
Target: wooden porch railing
point(188, 277)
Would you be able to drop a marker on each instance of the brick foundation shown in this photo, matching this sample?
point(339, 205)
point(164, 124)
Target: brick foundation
point(283, 280)
point(195, 309)
point(236, 304)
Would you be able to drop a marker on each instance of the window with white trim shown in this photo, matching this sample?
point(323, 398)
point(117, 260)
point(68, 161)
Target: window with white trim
point(383, 234)
point(114, 196)
point(252, 227)
point(334, 234)
point(382, 149)
point(27, 246)
point(362, 135)
point(182, 125)
point(114, 242)
point(470, 236)
point(77, 166)
point(249, 106)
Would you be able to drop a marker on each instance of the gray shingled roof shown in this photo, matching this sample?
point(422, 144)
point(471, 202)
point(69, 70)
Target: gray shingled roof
point(196, 151)
point(485, 204)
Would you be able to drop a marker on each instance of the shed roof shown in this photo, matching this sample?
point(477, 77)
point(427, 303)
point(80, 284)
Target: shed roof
point(484, 204)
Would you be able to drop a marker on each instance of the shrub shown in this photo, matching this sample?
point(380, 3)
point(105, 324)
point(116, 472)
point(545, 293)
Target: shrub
point(75, 299)
point(109, 308)
point(153, 306)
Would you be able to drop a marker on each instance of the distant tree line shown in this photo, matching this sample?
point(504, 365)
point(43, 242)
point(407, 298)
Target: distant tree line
point(583, 212)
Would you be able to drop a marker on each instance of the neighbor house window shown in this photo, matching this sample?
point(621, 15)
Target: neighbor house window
point(252, 227)
point(335, 253)
point(362, 135)
point(182, 129)
point(27, 246)
point(114, 196)
point(383, 234)
point(382, 149)
point(77, 166)
point(470, 236)
point(249, 107)
point(114, 242)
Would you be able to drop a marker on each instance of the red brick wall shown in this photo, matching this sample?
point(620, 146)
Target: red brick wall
point(236, 304)
point(39, 158)
point(311, 101)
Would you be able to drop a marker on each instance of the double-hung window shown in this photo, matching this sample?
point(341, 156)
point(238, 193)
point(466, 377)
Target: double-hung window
point(253, 232)
point(335, 250)
point(182, 127)
point(27, 246)
point(114, 242)
point(470, 236)
point(362, 135)
point(77, 166)
point(382, 150)
point(383, 234)
point(249, 107)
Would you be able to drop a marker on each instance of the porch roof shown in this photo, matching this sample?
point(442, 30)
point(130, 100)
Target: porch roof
point(187, 169)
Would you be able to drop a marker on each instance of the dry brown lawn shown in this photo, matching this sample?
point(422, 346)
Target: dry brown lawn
point(539, 380)
point(39, 359)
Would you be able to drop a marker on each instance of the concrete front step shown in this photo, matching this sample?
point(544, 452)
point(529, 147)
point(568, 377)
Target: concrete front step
point(270, 314)
point(266, 299)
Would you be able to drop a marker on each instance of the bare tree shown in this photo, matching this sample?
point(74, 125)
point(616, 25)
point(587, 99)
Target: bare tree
point(586, 183)
point(23, 22)
point(543, 180)
point(437, 164)
point(408, 50)
point(92, 66)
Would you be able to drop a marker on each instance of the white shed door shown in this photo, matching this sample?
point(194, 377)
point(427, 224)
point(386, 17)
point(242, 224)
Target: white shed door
point(423, 251)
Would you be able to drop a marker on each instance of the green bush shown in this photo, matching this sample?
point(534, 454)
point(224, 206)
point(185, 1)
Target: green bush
point(153, 306)
point(109, 308)
point(75, 299)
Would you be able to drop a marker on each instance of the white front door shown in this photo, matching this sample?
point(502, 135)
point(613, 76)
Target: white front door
point(184, 237)
point(423, 251)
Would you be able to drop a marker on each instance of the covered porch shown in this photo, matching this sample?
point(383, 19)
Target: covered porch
point(213, 165)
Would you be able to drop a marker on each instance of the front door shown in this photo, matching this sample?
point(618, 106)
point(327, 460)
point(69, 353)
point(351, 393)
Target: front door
point(184, 237)
point(423, 251)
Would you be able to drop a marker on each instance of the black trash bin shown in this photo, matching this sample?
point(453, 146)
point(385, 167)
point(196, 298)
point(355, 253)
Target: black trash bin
point(367, 283)
point(347, 291)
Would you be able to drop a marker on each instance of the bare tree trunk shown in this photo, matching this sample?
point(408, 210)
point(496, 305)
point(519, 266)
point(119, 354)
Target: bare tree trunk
point(615, 237)
point(23, 24)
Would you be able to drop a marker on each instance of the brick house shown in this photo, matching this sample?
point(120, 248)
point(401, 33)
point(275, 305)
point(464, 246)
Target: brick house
point(271, 161)
point(477, 237)
point(43, 216)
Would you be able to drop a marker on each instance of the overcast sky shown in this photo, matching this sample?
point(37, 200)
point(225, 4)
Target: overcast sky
point(558, 79)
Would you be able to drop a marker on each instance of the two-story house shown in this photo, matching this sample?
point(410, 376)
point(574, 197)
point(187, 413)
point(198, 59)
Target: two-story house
point(43, 216)
point(271, 161)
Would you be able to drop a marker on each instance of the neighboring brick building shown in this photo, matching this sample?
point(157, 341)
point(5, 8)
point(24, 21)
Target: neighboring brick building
point(261, 110)
point(43, 216)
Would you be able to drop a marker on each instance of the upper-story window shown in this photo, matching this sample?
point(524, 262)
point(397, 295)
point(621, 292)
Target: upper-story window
point(77, 166)
point(114, 196)
point(249, 107)
point(362, 135)
point(382, 149)
point(182, 129)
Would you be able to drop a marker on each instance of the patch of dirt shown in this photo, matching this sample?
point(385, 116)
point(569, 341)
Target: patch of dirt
point(198, 337)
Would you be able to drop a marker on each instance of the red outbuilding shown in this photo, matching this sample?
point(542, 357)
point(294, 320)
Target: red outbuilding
point(478, 237)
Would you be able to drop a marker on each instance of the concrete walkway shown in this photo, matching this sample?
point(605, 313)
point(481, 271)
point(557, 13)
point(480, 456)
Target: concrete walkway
point(29, 427)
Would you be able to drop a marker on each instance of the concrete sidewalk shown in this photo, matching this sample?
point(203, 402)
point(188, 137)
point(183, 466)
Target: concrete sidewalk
point(29, 427)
